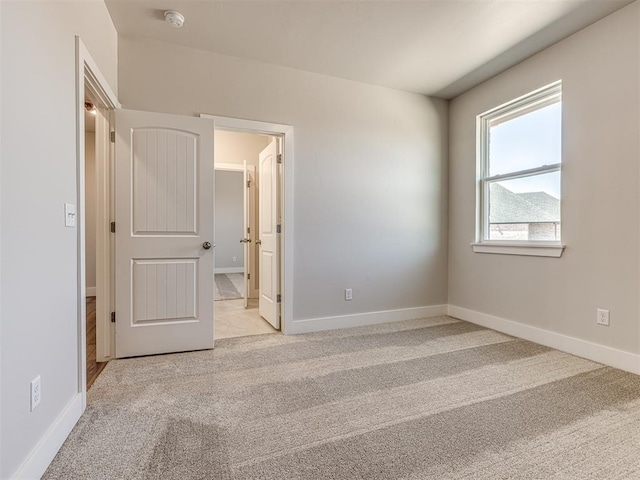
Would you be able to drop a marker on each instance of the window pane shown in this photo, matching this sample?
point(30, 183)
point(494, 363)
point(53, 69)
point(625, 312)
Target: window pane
point(525, 208)
point(528, 141)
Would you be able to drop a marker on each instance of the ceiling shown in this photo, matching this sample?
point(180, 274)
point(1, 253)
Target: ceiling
point(433, 47)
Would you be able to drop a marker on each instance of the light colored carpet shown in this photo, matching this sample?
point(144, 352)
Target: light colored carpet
point(425, 399)
point(229, 286)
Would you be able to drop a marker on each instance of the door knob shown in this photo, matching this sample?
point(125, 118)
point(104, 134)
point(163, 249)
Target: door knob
point(245, 240)
point(206, 245)
point(258, 242)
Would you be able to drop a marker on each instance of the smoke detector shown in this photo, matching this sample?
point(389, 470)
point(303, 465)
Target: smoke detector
point(175, 19)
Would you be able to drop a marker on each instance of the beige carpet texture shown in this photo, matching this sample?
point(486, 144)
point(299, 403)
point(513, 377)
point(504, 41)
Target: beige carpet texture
point(434, 398)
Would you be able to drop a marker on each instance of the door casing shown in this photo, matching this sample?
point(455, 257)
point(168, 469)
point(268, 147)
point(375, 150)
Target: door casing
point(88, 76)
point(285, 133)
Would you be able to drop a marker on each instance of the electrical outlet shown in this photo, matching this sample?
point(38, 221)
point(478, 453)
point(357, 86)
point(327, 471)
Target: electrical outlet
point(348, 294)
point(36, 392)
point(235, 259)
point(602, 317)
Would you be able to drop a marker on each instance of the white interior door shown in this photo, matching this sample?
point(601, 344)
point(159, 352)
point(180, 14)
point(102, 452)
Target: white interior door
point(246, 231)
point(164, 223)
point(269, 283)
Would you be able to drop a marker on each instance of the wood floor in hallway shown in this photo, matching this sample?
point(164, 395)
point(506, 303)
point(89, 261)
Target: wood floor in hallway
point(93, 367)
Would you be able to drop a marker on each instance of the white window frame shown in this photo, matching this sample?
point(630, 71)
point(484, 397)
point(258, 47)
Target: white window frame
point(530, 102)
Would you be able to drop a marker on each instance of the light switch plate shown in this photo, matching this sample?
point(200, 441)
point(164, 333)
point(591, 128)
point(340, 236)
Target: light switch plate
point(69, 215)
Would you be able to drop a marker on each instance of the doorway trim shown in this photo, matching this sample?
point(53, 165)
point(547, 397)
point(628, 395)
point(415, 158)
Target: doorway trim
point(286, 260)
point(87, 73)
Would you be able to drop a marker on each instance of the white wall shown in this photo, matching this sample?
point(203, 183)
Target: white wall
point(39, 255)
point(229, 221)
point(90, 206)
point(370, 194)
point(234, 147)
point(600, 186)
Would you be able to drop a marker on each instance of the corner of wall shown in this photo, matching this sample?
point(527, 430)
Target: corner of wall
point(43, 453)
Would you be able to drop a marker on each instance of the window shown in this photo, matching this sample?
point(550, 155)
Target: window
point(519, 160)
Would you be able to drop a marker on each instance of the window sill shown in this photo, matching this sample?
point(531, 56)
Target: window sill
point(527, 249)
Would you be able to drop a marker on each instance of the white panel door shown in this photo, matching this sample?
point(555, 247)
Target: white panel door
point(164, 223)
point(269, 262)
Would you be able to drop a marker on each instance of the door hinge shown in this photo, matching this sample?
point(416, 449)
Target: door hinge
point(248, 183)
point(112, 136)
point(248, 229)
point(278, 228)
point(113, 317)
point(279, 158)
point(248, 276)
point(113, 227)
point(279, 298)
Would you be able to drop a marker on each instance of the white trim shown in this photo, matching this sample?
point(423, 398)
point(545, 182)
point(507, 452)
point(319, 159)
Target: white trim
point(80, 192)
point(627, 361)
point(527, 103)
point(88, 69)
point(90, 292)
point(47, 447)
point(229, 270)
point(528, 249)
point(531, 172)
point(363, 319)
point(286, 268)
point(233, 167)
point(89, 76)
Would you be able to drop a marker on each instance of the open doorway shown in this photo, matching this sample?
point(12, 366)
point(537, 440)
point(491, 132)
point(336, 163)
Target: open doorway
point(243, 206)
point(93, 367)
point(164, 237)
point(95, 102)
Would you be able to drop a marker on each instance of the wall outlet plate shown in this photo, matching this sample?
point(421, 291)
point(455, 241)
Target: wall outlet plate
point(36, 392)
point(602, 317)
point(348, 294)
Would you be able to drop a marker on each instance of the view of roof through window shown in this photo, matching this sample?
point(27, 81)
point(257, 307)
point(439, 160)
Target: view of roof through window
point(526, 207)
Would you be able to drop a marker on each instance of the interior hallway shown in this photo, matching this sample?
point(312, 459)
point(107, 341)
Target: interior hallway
point(93, 368)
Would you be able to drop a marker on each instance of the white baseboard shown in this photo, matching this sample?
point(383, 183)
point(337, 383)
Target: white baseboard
point(229, 270)
point(90, 292)
point(629, 362)
point(362, 319)
point(41, 456)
